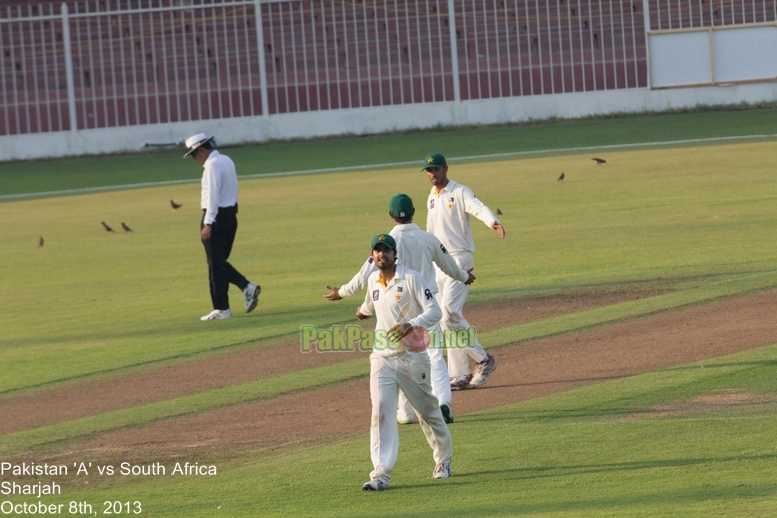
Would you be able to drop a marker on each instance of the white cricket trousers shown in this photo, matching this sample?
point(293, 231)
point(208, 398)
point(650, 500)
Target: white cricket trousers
point(411, 373)
point(441, 383)
point(451, 296)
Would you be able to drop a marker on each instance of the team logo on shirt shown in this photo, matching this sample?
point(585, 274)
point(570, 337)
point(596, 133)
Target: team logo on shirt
point(399, 289)
point(442, 247)
point(450, 204)
point(375, 294)
point(431, 204)
point(428, 294)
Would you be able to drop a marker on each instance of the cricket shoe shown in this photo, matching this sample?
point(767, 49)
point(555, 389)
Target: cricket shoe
point(405, 420)
point(483, 371)
point(461, 382)
point(375, 484)
point(218, 314)
point(446, 413)
point(251, 293)
point(442, 470)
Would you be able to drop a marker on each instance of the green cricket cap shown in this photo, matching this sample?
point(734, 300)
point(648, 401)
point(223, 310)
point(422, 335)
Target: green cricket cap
point(434, 160)
point(386, 239)
point(401, 206)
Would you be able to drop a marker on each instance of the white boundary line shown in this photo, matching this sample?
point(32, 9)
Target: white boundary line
point(386, 166)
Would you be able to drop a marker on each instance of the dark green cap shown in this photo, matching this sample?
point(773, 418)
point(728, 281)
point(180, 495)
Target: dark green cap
point(401, 206)
point(434, 160)
point(386, 239)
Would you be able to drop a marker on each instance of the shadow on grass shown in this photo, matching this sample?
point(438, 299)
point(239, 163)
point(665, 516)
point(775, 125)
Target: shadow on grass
point(696, 501)
point(589, 469)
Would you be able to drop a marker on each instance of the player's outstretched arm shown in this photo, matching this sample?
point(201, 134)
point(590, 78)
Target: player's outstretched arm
point(334, 293)
point(479, 209)
point(499, 228)
point(359, 281)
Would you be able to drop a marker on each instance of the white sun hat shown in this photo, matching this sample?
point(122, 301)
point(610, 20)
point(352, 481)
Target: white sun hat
point(193, 143)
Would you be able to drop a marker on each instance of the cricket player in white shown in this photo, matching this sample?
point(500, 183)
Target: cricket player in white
point(402, 302)
point(450, 205)
point(420, 251)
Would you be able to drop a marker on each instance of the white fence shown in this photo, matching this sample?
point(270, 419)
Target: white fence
point(150, 70)
point(112, 63)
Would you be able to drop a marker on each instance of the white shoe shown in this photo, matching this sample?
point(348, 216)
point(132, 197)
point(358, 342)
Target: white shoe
point(375, 484)
point(461, 382)
point(483, 371)
point(442, 470)
point(251, 293)
point(405, 420)
point(218, 314)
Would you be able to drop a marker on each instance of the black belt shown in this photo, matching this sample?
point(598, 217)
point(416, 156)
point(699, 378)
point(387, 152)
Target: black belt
point(232, 208)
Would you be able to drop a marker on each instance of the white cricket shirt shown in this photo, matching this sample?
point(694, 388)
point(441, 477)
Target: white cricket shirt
point(388, 302)
point(417, 250)
point(448, 216)
point(219, 185)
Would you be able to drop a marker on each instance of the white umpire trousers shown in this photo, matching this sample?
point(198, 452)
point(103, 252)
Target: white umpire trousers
point(411, 373)
point(451, 296)
point(441, 384)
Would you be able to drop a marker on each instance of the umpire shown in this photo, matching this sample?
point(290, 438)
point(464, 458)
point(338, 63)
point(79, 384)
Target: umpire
point(219, 225)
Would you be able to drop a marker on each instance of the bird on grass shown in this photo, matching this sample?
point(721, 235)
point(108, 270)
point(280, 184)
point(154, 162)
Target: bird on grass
point(175, 205)
point(599, 160)
point(125, 227)
point(561, 177)
point(106, 227)
point(498, 212)
point(40, 241)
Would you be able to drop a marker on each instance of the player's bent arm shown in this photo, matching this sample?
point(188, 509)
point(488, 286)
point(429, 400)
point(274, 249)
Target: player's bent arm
point(447, 264)
point(366, 310)
point(432, 313)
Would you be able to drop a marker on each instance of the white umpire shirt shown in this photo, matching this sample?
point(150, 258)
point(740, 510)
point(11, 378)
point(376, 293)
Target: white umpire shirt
point(448, 216)
point(417, 250)
point(387, 303)
point(219, 185)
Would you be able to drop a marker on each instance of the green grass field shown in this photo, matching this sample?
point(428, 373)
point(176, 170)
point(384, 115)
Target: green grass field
point(696, 220)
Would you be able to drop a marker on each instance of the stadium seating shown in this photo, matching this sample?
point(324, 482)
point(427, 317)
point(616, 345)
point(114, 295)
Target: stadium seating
point(189, 64)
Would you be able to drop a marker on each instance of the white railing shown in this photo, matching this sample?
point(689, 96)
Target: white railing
point(115, 63)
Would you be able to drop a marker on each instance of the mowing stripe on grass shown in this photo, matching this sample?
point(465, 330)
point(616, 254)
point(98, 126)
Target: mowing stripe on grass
point(311, 379)
point(392, 165)
point(739, 285)
point(567, 455)
point(195, 403)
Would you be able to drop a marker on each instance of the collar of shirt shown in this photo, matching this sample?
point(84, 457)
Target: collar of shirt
point(448, 187)
point(404, 227)
point(399, 275)
point(211, 157)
